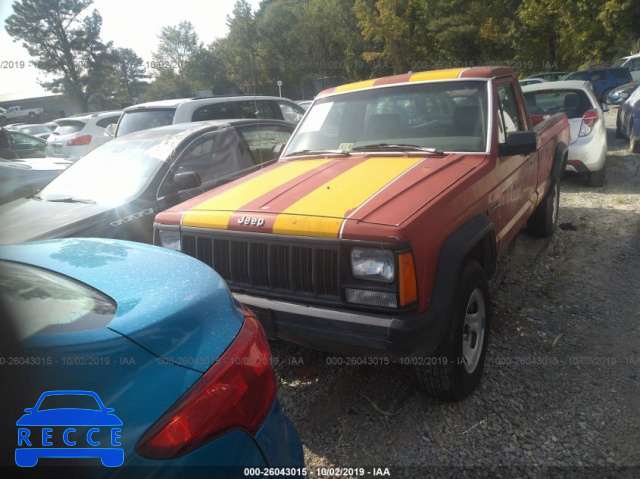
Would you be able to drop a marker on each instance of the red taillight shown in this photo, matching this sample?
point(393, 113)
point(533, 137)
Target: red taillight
point(590, 118)
point(237, 392)
point(79, 140)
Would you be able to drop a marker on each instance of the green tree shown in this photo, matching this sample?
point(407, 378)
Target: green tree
point(394, 30)
point(173, 62)
point(242, 44)
point(65, 43)
point(576, 34)
point(131, 74)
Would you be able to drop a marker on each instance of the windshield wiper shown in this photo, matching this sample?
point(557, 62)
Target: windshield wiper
point(71, 200)
point(397, 146)
point(319, 152)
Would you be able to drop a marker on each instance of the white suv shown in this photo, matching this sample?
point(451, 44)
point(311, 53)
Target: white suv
point(77, 135)
point(185, 110)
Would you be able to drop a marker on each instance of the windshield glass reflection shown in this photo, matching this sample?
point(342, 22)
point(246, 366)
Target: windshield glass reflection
point(110, 174)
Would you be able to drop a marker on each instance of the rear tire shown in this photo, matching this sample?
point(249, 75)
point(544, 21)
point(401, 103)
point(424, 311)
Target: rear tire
point(455, 369)
point(596, 178)
point(618, 130)
point(32, 115)
point(544, 220)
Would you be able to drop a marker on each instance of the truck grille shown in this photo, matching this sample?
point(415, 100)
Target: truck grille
point(310, 270)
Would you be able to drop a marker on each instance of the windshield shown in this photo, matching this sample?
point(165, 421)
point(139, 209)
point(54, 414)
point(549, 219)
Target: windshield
point(110, 174)
point(447, 116)
point(144, 119)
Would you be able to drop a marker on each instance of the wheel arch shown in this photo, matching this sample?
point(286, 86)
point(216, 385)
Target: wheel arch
point(474, 240)
point(560, 159)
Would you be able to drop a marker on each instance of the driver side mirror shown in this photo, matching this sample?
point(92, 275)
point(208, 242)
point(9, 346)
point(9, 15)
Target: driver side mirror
point(519, 143)
point(187, 180)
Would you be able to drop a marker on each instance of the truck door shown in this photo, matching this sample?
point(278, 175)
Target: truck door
point(516, 173)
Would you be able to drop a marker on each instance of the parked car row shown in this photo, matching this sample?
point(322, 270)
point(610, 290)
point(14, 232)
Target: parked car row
point(208, 399)
point(603, 80)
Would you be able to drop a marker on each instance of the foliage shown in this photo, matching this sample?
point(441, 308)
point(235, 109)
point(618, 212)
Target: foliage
point(64, 41)
point(131, 75)
point(309, 45)
point(175, 59)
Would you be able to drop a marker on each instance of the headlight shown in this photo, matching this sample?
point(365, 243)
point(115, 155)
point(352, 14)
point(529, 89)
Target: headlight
point(170, 239)
point(373, 264)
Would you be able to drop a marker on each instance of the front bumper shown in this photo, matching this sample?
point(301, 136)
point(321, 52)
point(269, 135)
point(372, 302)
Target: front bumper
point(350, 333)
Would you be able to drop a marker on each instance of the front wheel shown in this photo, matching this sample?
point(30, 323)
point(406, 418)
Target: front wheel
point(455, 369)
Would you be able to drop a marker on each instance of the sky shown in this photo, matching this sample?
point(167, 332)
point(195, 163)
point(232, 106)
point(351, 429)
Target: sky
point(131, 24)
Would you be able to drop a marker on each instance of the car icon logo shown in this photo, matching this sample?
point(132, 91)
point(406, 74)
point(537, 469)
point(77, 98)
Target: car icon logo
point(69, 432)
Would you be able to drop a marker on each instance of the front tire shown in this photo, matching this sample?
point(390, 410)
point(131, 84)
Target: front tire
point(544, 220)
point(455, 369)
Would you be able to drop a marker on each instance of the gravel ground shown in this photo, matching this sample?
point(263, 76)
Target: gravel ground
point(560, 395)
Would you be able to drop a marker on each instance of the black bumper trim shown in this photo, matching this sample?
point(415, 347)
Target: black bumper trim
point(350, 333)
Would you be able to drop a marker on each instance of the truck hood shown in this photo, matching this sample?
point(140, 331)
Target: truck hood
point(316, 197)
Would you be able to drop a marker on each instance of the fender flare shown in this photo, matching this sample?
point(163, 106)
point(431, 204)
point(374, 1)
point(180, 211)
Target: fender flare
point(477, 235)
point(560, 158)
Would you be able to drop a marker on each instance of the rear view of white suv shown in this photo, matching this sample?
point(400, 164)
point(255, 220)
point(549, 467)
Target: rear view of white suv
point(77, 135)
point(185, 110)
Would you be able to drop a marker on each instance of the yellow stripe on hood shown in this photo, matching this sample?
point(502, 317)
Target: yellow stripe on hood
point(216, 212)
point(321, 212)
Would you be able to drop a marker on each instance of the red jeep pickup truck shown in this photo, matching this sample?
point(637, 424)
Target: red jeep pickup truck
point(376, 231)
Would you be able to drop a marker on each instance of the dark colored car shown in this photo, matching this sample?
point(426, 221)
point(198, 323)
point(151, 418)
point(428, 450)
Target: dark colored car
point(619, 95)
point(115, 190)
point(628, 121)
point(27, 146)
point(24, 177)
point(602, 79)
point(42, 130)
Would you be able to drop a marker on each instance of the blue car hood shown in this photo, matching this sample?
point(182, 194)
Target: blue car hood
point(168, 303)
